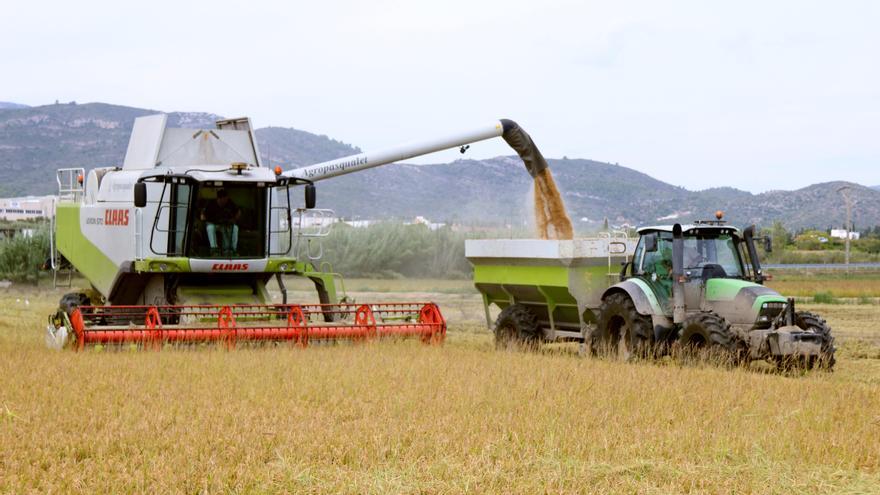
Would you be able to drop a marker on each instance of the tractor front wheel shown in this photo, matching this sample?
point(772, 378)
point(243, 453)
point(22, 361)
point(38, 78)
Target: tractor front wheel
point(622, 331)
point(811, 322)
point(708, 335)
point(517, 327)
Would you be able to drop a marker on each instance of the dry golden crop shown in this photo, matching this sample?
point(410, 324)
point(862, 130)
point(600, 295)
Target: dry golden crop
point(405, 418)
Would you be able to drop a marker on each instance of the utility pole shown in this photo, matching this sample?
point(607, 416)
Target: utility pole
point(844, 191)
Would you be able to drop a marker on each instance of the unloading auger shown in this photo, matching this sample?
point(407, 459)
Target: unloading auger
point(178, 244)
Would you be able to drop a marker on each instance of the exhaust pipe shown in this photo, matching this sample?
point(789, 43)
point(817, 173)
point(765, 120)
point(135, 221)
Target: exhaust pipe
point(678, 307)
point(749, 236)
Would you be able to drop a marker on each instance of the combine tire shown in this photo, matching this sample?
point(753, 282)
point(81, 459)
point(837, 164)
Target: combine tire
point(517, 327)
point(708, 335)
point(622, 331)
point(812, 322)
point(73, 300)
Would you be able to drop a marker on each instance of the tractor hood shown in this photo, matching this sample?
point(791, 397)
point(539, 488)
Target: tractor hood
point(741, 301)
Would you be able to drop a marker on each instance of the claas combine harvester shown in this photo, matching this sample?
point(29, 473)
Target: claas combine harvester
point(179, 243)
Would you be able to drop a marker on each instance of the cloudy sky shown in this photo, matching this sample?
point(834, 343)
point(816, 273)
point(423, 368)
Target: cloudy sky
point(753, 94)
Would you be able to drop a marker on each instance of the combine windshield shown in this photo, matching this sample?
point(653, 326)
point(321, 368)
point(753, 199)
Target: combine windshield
point(705, 252)
point(229, 222)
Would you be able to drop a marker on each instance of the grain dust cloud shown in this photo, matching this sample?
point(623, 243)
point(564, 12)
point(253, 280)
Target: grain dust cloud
point(551, 219)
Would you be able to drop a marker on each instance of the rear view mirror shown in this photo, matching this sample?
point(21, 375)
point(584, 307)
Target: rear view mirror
point(768, 244)
point(140, 194)
point(311, 196)
point(651, 243)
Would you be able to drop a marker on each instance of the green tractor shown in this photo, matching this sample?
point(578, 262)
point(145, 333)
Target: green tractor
point(700, 286)
point(690, 289)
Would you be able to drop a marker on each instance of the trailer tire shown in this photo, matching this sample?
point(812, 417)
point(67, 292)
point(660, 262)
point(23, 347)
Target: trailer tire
point(708, 335)
point(517, 326)
point(813, 322)
point(73, 300)
point(622, 331)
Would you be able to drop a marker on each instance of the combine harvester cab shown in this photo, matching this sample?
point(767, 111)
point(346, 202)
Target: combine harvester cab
point(180, 242)
point(683, 288)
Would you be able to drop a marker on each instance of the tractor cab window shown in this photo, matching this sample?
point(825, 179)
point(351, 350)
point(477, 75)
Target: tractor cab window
point(657, 262)
point(718, 254)
point(229, 221)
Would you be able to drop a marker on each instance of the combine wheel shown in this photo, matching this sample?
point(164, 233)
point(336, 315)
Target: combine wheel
point(813, 322)
point(622, 331)
point(57, 331)
point(517, 327)
point(709, 335)
point(73, 300)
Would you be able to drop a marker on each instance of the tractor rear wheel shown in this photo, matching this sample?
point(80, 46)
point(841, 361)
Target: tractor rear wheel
point(622, 331)
point(517, 327)
point(708, 335)
point(814, 323)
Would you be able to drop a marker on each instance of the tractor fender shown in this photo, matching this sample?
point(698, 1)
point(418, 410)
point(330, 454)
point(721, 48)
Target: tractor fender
point(642, 296)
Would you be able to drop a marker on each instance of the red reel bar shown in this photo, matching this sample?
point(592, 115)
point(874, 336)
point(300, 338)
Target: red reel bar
point(152, 326)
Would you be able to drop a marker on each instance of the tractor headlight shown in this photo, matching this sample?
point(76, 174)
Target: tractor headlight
point(769, 311)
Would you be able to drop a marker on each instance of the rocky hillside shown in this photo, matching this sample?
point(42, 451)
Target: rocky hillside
point(498, 190)
point(7, 104)
point(34, 141)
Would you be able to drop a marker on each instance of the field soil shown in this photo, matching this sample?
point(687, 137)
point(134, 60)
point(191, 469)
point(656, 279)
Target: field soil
point(403, 417)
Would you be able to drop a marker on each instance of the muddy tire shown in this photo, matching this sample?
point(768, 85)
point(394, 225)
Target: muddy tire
point(517, 327)
point(708, 336)
point(621, 330)
point(814, 323)
point(73, 300)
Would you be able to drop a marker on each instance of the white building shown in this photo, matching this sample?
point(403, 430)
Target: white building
point(841, 234)
point(27, 208)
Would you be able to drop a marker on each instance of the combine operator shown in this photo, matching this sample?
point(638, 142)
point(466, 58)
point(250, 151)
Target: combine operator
point(220, 217)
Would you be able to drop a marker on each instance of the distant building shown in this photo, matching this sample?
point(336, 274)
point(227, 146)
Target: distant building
point(841, 234)
point(28, 208)
point(424, 221)
point(359, 224)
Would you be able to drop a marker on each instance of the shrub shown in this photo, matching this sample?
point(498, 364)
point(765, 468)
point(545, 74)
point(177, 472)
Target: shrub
point(823, 298)
point(22, 256)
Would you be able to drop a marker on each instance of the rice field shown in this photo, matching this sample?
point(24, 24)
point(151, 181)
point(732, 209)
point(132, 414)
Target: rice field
point(834, 284)
point(401, 417)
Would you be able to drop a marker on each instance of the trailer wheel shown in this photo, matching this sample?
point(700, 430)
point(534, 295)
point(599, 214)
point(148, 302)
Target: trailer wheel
point(814, 323)
point(517, 327)
point(622, 331)
point(708, 335)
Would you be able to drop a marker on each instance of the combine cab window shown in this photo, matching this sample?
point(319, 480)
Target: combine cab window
point(229, 222)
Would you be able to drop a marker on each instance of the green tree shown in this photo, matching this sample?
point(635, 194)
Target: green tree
point(781, 237)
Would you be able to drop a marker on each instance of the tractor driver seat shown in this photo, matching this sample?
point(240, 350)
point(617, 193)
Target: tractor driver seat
point(712, 270)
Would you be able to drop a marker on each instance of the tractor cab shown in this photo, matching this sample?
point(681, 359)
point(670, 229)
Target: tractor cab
point(708, 252)
point(701, 263)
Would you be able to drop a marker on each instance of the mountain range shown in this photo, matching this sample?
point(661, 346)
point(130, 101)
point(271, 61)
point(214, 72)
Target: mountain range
point(35, 141)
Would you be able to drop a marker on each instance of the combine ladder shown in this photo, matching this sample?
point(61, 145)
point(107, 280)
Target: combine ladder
point(70, 189)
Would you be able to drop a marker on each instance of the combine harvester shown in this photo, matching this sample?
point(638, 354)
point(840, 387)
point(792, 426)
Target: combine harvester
point(180, 242)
